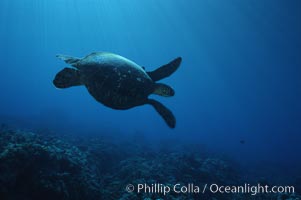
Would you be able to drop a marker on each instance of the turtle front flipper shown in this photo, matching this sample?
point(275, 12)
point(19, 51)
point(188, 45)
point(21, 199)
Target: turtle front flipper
point(165, 70)
point(68, 59)
point(163, 90)
point(165, 113)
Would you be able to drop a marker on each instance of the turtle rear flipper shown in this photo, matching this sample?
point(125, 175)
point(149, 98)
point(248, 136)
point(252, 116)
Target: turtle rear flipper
point(165, 113)
point(67, 78)
point(165, 70)
point(68, 59)
point(163, 90)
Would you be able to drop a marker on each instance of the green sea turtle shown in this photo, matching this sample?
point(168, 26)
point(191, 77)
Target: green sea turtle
point(118, 82)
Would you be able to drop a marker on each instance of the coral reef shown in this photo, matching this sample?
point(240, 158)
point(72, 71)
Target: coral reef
point(35, 167)
point(40, 166)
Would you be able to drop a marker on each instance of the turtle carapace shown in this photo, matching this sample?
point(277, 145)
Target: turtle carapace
point(118, 82)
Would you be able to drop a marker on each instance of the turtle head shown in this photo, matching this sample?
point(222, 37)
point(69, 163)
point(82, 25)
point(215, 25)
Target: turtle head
point(163, 90)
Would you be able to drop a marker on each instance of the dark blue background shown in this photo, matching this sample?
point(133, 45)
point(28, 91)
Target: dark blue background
point(239, 80)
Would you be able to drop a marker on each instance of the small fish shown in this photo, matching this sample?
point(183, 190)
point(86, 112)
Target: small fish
point(3, 126)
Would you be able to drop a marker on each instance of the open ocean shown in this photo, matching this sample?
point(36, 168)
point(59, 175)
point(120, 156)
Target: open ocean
point(237, 102)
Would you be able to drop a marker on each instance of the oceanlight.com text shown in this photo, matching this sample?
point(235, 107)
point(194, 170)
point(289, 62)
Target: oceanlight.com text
point(207, 188)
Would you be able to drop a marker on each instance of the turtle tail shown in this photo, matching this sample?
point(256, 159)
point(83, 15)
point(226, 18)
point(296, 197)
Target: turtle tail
point(67, 78)
point(165, 113)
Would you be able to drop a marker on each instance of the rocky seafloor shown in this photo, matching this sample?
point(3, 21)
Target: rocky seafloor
point(35, 166)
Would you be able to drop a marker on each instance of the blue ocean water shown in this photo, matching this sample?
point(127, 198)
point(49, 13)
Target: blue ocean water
point(239, 79)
